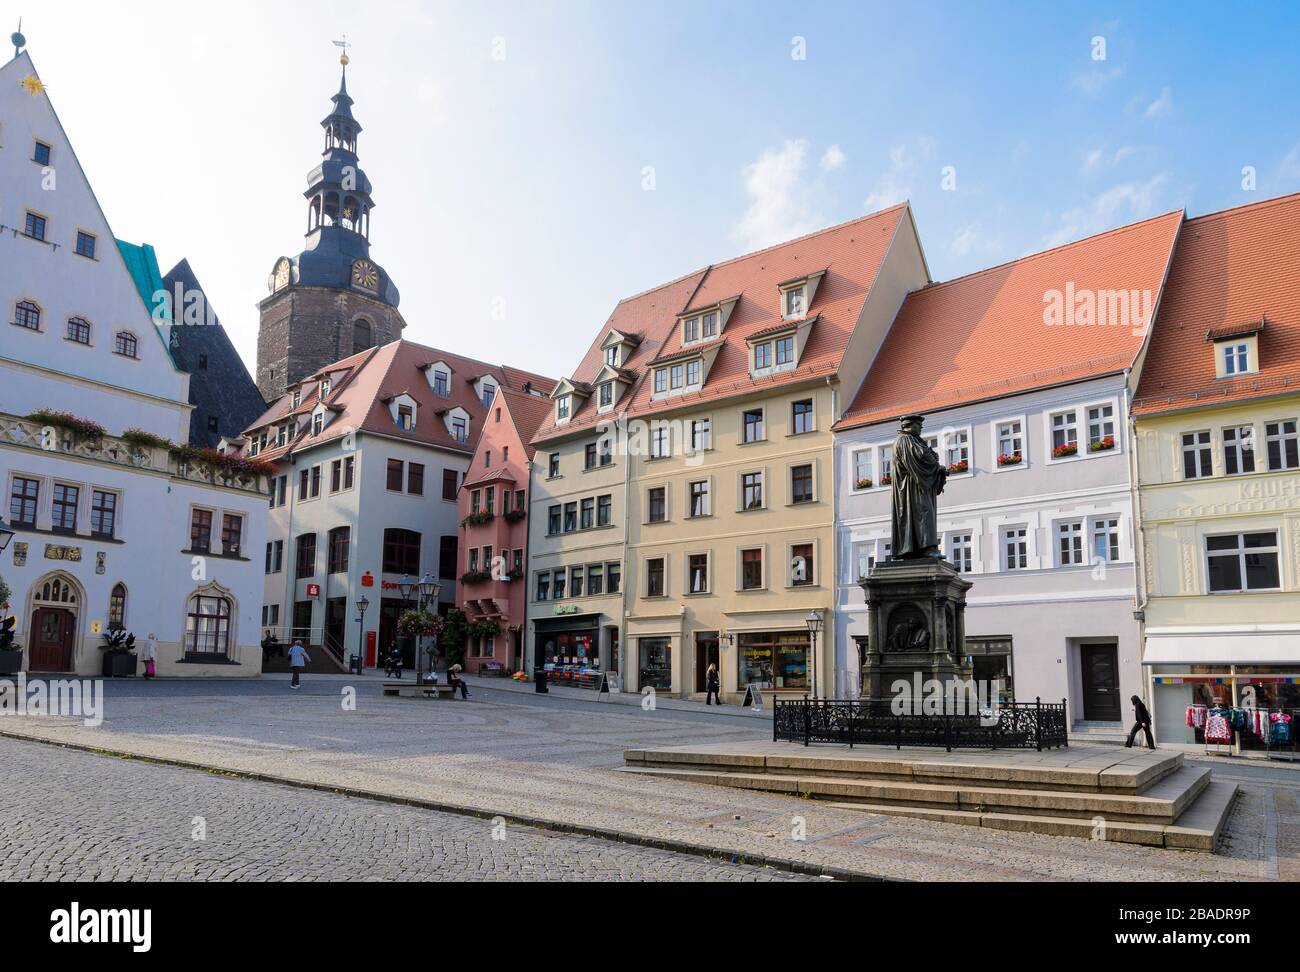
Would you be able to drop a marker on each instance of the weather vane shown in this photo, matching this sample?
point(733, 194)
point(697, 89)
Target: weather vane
point(19, 41)
point(343, 59)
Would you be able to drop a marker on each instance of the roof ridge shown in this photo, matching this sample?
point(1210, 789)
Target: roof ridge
point(1051, 250)
point(1258, 204)
point(646, 293)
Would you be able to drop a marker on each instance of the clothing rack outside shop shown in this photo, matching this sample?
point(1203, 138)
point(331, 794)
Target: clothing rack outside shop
point(1222, 728)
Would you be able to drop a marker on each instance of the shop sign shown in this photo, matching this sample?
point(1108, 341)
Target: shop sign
point(368, 579)
point(313, 590)
point(567, 609)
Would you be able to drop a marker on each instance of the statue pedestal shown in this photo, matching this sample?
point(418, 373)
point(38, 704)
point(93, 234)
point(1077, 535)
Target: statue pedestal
point(916, 612)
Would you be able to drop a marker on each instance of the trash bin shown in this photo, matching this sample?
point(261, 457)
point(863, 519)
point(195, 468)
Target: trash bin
point(539, 681)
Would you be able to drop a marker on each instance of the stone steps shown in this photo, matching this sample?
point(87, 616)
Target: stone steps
point(1149, 798)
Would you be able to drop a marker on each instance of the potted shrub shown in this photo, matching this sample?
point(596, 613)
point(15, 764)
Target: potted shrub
point(120, 659)
point(11, 656)
point(478, 519)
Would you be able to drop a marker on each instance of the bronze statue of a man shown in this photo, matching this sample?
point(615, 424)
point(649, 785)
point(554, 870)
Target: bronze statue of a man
point(919, 477)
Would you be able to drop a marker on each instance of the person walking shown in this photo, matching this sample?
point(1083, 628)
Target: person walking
point(1142, 723)
point(456, 682)
point(298, 659)
point(713, 686)
point(150, 655)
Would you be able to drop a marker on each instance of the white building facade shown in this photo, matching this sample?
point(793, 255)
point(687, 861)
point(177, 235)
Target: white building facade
point(113, 528)
point(1046, 539)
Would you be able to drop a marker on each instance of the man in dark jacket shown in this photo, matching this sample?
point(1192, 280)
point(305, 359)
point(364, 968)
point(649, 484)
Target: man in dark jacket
point(1143, 723)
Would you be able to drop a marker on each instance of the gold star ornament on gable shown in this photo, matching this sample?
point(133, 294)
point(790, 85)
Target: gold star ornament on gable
point(32, 85)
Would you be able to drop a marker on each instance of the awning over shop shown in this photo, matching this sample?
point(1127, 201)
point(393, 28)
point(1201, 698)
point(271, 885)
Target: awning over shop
point(1257, 645)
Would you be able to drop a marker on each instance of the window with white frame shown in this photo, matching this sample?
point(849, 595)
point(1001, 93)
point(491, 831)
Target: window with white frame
point(661, 381)
point(606, 394)
point(1283, 445)
point(864, 555)
point(699, 498)
point(785, 350)
point(1236, 358)
point(701, 435)
point(694, 372)
point(660, 447)
point(1198, 457)
point(1011, 443)
point(886, 465)
point(1065, 434)
point(709, 326)
point(1105, 540)
point(1101, 428)
point(958, 451)
point(1069, 537)
point(762, 355)
point(697, 567)
point(318, 423)
point(691, 330)
point(1242, 562)
point(862, 466)
point(563, 407)
point(961, 551)
point(1015, 548)
point(611, 356)
point(1239, 450)
point(794, 302)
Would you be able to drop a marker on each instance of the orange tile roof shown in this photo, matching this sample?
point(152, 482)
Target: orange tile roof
point(363, 383)
point(984, 336)
point(649, 316)
point(1233, 271)
point(850, 254)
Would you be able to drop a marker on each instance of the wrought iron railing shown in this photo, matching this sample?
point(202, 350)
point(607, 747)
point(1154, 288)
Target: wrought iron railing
point(1010, 725)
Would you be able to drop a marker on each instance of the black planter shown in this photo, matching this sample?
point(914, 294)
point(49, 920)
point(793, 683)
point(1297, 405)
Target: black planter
point(120, 666)
point(11, 662)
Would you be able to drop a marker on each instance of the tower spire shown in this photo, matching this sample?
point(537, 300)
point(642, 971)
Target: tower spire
point(17, 38)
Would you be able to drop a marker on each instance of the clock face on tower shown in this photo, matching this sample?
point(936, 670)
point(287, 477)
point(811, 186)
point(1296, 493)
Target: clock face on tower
point(365, 275)
point(281, 275)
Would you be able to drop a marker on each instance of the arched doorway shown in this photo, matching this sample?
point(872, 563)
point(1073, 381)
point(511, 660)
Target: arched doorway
point(52, 636)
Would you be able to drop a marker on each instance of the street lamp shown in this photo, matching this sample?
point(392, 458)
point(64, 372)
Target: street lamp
point(5, 535)
point(363, 602)
point(429, 591)
point(815, 624)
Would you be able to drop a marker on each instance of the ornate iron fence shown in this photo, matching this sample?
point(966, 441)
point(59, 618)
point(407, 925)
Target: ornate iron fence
point(1011, 725)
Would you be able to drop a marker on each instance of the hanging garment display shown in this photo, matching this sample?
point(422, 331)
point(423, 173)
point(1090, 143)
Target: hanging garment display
point(1218, 728)
point(1280, 728)
point(1196, 716)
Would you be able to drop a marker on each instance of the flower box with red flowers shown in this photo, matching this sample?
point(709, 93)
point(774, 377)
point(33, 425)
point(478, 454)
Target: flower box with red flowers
point(959, 468)
point(863, 484)
point(1010, 459)
point(1103, 445)
point(1065, 451)
point(886, 480)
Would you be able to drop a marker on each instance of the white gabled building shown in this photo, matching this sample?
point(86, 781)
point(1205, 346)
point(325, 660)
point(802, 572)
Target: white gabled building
point(1031, 417)
point(108, 532)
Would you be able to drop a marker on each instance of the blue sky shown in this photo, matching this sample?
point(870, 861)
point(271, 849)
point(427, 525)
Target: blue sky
point(511, 145)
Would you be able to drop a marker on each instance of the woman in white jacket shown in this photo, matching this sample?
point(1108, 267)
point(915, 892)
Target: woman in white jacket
point(150, 655)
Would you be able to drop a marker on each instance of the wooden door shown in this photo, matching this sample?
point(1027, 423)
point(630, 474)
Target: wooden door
point(706, 654)
point(51, 634)
point(1101, 702)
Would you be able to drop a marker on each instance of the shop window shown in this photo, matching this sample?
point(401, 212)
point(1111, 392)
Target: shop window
point(656, 664)
point(774, 660)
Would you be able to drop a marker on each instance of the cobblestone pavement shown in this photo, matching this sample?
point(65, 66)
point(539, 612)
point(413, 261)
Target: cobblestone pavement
point(553, 760)
point(82, 817)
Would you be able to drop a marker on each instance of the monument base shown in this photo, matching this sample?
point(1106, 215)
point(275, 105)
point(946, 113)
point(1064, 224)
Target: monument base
point(916, 612)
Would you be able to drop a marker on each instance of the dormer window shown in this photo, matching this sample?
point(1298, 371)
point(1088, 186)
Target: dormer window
point(709, 326)
point(405, 418)
point(692, 331)
point(489, 392)
point(606, 394)
point(318, 423)
point(785, 350)
point(282, 436)
point(612, 356)
point(795, 303)
point(661, 381)
point(325, 389)
point(762, 356)
point(564, 408)
point(1236, 358)
point(297, 397)
point(442, 383)
point(459, 428)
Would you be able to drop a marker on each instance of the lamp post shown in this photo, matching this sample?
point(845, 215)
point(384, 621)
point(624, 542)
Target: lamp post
point(5, 535)
point(363, 602)
point(429, 591)
point(406, 587)
point(815, 624)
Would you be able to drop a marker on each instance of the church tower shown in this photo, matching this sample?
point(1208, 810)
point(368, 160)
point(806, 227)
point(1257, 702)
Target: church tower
point(331, 300)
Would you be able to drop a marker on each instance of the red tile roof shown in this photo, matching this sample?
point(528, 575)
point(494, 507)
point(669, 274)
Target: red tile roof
point(363, 383)
point(985, 336)
point(649, 316)
point(1233, 271)
point(850, 254)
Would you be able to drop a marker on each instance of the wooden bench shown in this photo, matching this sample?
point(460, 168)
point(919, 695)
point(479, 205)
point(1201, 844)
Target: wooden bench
point(493, 670)
point(429, 691)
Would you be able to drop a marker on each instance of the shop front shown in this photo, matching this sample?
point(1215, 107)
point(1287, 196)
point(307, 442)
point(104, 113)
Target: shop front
point(568, 647)
point(1225, 694)
point(776, 661)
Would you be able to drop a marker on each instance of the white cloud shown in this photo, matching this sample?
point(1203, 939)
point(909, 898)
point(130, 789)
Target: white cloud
point(833, 158)
point(974, 240)
point(895, 184)
point(1161, 105)
point(1289, 167)
point(1099, 158)
point(780, 206)
point(1126, 202)
point(1092, 82)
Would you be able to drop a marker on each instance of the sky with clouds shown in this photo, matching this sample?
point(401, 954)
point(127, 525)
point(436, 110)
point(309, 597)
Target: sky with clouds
point(534, 162)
